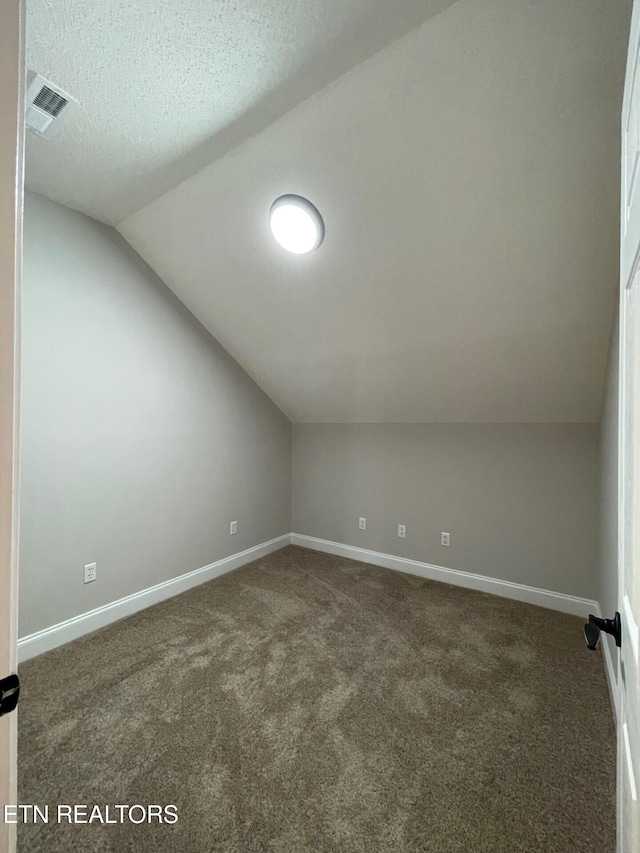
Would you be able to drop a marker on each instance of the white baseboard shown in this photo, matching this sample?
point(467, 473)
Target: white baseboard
point(610, 668)
point(559, 601)
point(85, 623)
point(71, 629)
point(571, 604)
point(612, 681)
point(519, 592)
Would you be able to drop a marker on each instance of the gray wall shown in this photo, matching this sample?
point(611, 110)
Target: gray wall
point(609, 487)
point(520, 501)
point(141, 438)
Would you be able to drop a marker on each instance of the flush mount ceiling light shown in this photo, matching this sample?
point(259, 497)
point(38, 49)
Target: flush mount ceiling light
point(296, 224)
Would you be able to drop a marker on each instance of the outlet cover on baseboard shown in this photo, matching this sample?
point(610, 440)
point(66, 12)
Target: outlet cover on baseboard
point(445, 539)
point(362, 523)
point(90, 572)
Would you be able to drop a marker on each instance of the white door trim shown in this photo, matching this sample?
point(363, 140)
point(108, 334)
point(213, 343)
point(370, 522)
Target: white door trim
point(12, 74)
point(627, 683)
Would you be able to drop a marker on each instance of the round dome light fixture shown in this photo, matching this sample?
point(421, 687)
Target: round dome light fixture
point(296, 224)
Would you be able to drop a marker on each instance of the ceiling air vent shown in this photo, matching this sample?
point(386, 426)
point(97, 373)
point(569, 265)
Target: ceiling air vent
point(46, 104)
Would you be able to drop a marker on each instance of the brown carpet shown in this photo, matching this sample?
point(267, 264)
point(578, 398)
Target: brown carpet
point(313, 703)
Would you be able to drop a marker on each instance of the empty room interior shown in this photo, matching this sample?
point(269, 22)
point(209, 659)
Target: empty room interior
point(319, 431)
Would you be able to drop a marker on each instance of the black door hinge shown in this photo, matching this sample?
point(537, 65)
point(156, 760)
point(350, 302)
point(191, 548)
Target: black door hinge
point(9, 694)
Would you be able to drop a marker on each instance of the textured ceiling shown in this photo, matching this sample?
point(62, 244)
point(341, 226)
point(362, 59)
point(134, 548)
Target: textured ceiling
point(166, 87)
point(468, 176)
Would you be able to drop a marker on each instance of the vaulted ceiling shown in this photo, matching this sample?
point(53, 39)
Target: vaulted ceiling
point(467, 173)
point(166, 86)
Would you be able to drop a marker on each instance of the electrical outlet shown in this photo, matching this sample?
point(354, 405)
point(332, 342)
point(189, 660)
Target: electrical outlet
point(90, 573)
point(362, 523)
point(233, 528)
point(445, 539)
point(402, 531)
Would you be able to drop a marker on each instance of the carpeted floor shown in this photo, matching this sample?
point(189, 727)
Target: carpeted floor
point(313, 703)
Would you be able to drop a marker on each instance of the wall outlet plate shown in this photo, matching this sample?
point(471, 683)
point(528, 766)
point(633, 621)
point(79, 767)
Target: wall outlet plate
point(90, 572)
point(445, 539)
point(402, 531)
point(233, 528)
point(362, 523)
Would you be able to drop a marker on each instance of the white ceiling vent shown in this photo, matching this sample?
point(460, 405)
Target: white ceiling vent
point(46, 104)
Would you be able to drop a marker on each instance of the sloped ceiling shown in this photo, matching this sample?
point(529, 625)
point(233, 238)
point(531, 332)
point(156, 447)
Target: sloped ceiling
point(468, 178)
point(467, 173)
point(166, 86)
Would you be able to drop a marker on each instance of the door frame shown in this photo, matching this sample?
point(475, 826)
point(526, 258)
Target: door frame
point(629, 271)
point(12, 92)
